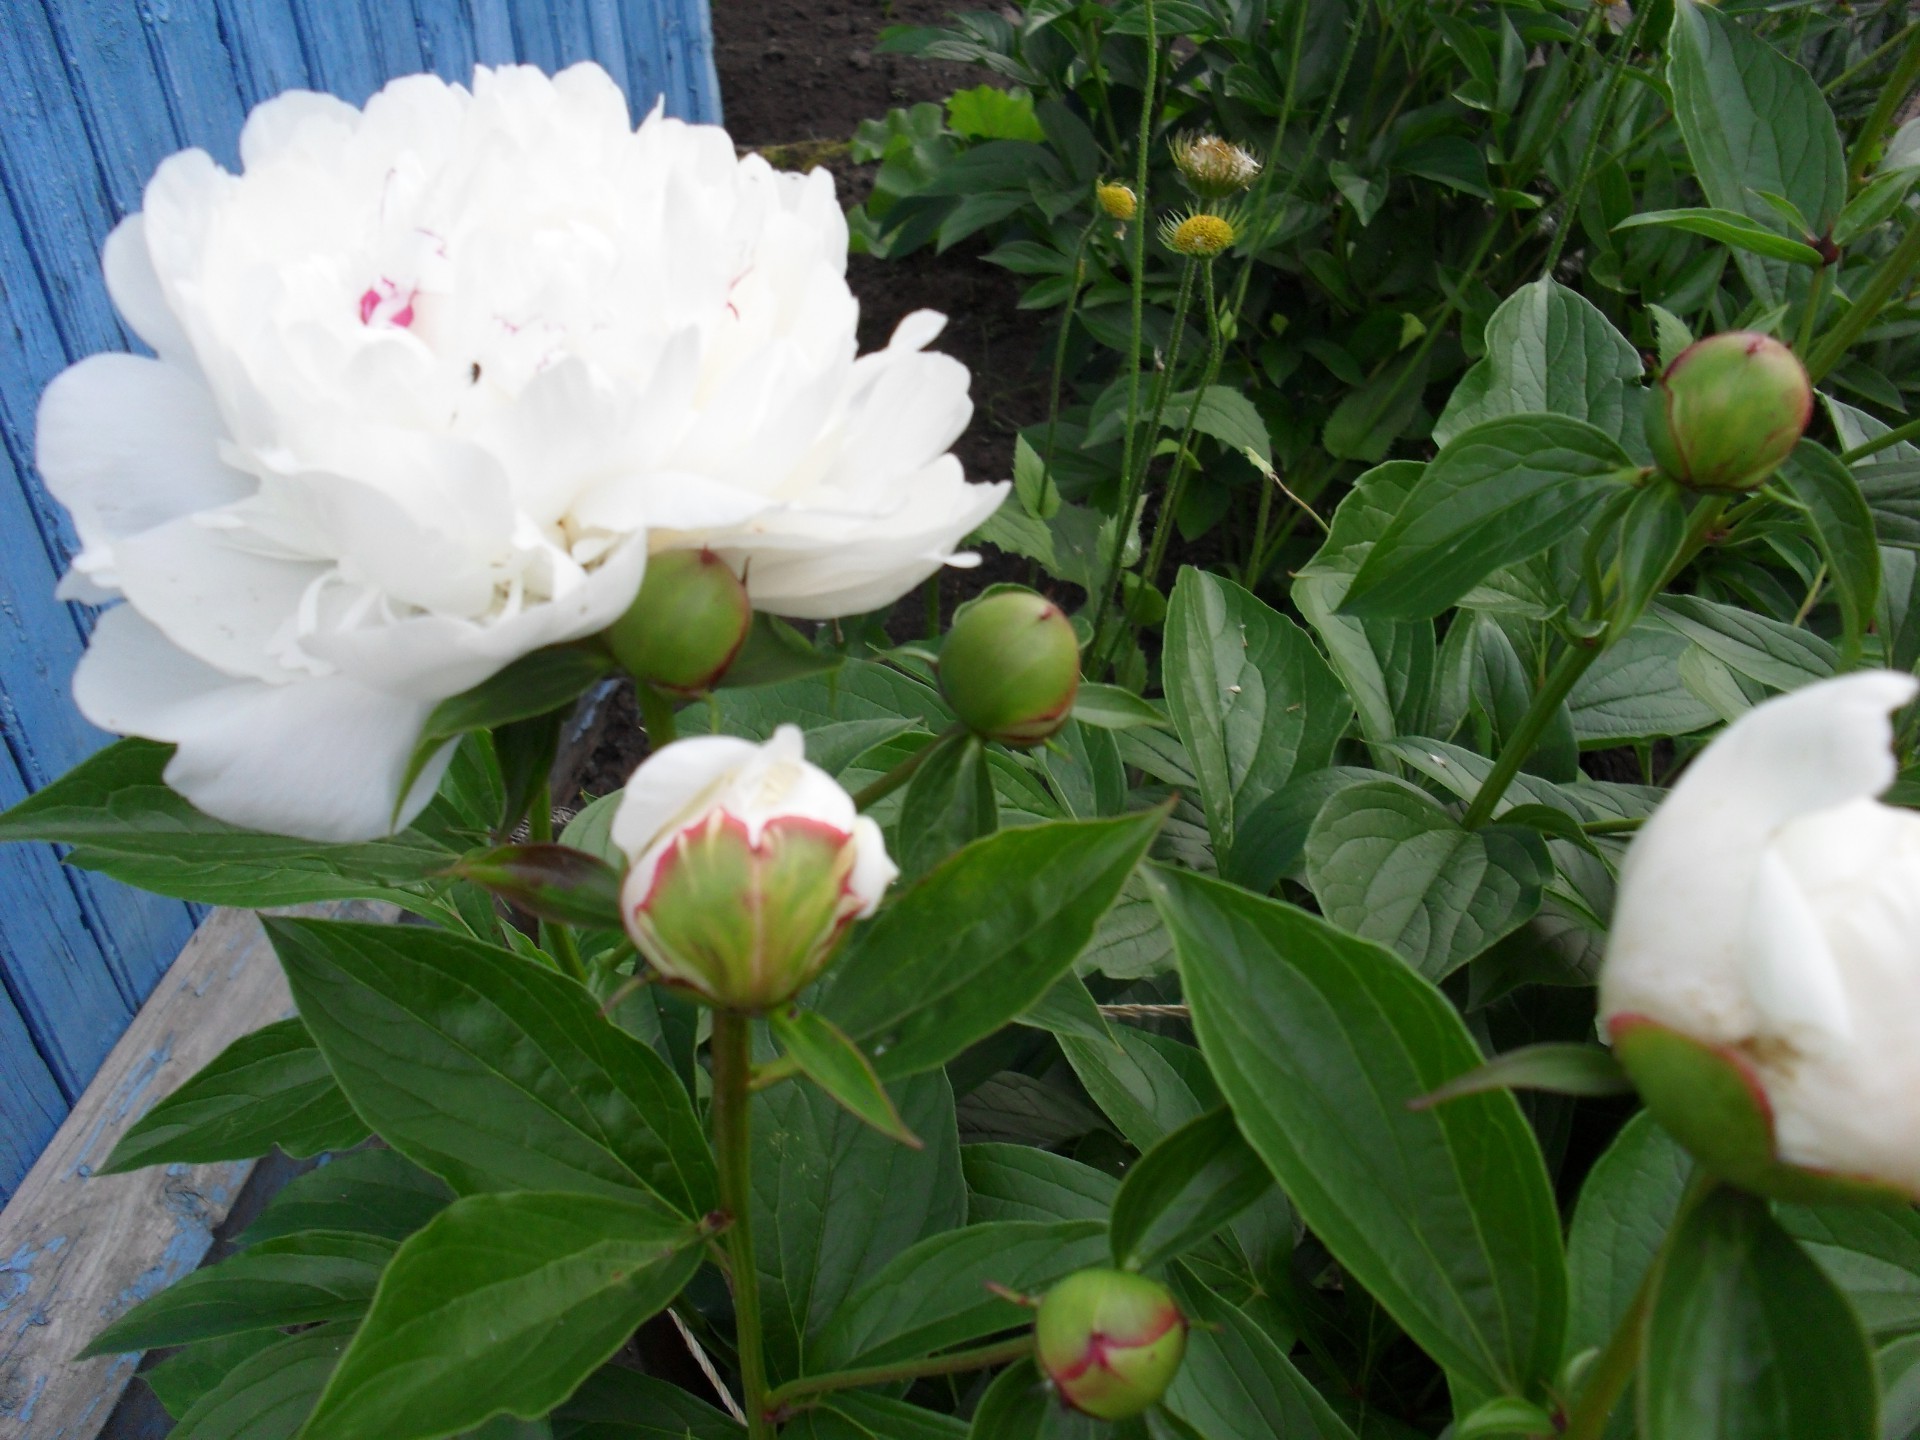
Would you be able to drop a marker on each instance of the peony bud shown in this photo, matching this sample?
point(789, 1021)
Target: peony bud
point(1116, 200)
point(1214, 169)
point(1010, 667)
point(747, 866)
point(1762, 981)
point(686, 624)
point(1110, 1341)
point(1728, 410)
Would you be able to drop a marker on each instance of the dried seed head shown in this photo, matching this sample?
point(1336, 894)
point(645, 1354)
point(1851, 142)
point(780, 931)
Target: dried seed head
point(1215, 169)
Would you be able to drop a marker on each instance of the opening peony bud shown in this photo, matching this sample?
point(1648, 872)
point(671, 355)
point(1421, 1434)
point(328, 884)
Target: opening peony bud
point(748, 867)
point(1010, 667)
point(1728, 410)
point(1117, 200)
point(686, 624)
point(1110, 1342)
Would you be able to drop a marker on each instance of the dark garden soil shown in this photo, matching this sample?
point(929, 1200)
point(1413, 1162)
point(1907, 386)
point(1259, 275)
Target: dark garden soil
point(796, 81)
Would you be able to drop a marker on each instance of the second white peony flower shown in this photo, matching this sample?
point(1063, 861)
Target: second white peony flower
point(431, 380)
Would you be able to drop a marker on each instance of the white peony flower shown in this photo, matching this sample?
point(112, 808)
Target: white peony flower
point(1771, 907)
point(432, 378)
point(747, 865)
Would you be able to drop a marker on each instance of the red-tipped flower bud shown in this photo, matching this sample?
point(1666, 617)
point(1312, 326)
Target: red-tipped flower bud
point(686, 624)
point(1010, 667)
point(748, 865)
point(1110, 1341)
point(1728, 410)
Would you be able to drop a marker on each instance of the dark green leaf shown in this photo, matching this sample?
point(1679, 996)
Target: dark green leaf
point(1778, 655)
point(621, 1404)
point(1146, 1084)
point(265, 1089)
point(878, 1417)
point(1388, 864)
point(502, 1304)
point(1564, 1068)
point(1843, 529)
point(269, 1395)
point(1872, 1253)
point(834, 1063)
point(372, 1192)
point(295, 1280)
point(773, 652)
point(182, 1378)
point(1017, 1182)
point(1729, 227)
point(553, 882)
point(949, 802)
point(1749, 1339)
point(1252, 699)
point(980, 939)
point(1502, 491)
point(935, 1295)
point(1020, 1405)
point(1110, 708)
point(1319, 1040)
point(1549, 350)
point(1634, 691)
point(1237, 1384)
point(489, 1070)
point(835, 1200)
point(1067, 1009)
point(1183, 1190)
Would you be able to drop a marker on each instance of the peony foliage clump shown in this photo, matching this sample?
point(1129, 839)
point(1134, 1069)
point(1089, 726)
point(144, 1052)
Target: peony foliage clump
point(1435, 959)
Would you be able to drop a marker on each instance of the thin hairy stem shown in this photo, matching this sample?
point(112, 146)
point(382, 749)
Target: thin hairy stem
point(1570, 202)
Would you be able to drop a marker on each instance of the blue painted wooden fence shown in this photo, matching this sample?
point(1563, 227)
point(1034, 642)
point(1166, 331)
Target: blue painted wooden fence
point(93, 94)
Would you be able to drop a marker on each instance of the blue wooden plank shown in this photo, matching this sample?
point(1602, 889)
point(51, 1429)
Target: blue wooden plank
point(677, 38)
point(265, 46)
point(340, 49)
point(492, 29)
point(105, 54)
point(535, 41)
point(198, 75)
point(447, 39)
point(393, 37)
point(34, 1105)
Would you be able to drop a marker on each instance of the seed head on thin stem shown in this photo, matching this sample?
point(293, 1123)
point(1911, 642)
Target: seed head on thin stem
point(1215, 169)
point(1117, 200)
point(1200, 234)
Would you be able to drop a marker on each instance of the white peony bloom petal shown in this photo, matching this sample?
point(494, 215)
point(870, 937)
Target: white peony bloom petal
point(436, 372)
point(1772, 906)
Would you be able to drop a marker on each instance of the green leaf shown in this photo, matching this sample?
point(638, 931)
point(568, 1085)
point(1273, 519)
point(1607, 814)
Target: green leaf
point(1250, 696)
point(1083, 766)
point(949, 802)
point(856, 690)
point(835, 1200)
point(1389, 865)
point(1386, 665)
point(1843, 529)
point(1108, 707)
point(980, 939)
point(1067, 1009)
point(265, 1089)
point(1020, 1405)
point(935, 1295)
point(1753, 120)
point(502, 1304)
point(1148, 1085)
point(270, 1394)
point(1872, 1252)
point(1318, 1040)
point(1183, 1190)
point(489, 1070)
point(1779, 656)
point(117, 812)
point(552, 882)
point(834, 1063)
point(1551, 350)
point(1729, 227)
point(1562, 1067)
point(370, 1192)
point(1017, 1182)
point(1634, 691)
point(1505, 1415)
point(1749, 1339)
point(774, 652)
point(1228, 416)
point(296, 1280)
point(1500, 492)
point(1237, 1384)
point(183, 1377)
point(531, 686)
point(616, 1403)
point(986, 112)
point(878, 1417)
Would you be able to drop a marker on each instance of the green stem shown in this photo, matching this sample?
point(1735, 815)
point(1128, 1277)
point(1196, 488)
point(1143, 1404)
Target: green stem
point(1607, 1380)
point(901, 773)
point(1566, 673)
point(1261, 518)
point(1149, 93)
point(656, 714)
point(1570, 202)
point(1871, 60)
point(1899, 85)
point(1177, 482)
point(980, 1358)
point(1816, 293)
point(1887, 441)
point(1891, 275)
point(561, 942)
point(1060, 365)
point(732, 1147)
point(540, 815)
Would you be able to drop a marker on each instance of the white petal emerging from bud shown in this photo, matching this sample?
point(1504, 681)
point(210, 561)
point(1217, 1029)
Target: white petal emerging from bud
point(1772, 907)
point(746, 866)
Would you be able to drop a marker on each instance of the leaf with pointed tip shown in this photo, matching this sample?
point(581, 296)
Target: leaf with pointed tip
point(833, 1062)
point(1183, 1190)
point(1563, 1068)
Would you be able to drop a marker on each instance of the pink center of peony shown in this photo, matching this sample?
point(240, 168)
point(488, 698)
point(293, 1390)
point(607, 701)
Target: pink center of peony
point(385, 303)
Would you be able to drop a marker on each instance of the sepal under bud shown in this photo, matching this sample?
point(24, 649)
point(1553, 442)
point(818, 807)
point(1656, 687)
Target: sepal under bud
point(686, 624)
point(1010, 667)
point(1728, 410)
point(1110, 1342)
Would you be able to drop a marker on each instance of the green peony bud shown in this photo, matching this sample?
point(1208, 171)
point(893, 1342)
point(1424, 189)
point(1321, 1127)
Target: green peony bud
point(686, 624)
point(1728, 410)
point(1110, 1342)
point(1010, 667)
